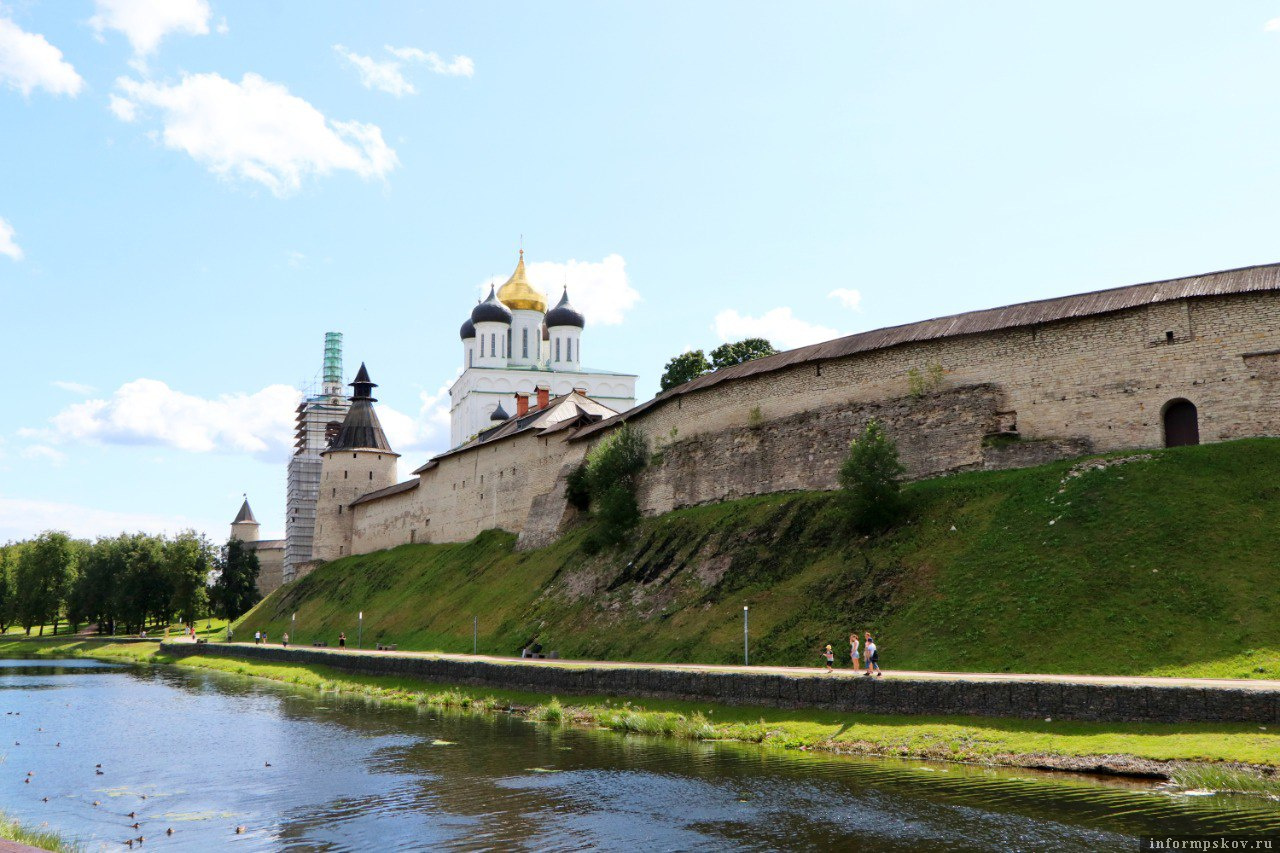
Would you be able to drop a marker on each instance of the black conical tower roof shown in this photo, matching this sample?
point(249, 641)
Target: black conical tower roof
point(361, 429)
point(245, 514)
point(499, 414)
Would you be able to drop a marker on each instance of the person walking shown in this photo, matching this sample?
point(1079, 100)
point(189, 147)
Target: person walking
point(873, 657)
point(853, 650)
point(285, 639)
point(257, 638)
point(342, 640)
point(830, 658)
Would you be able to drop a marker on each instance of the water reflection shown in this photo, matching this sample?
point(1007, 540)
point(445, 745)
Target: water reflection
point(204, 753)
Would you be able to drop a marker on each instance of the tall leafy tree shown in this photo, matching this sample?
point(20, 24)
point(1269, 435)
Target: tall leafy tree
point(189, 560)
point(236, 587)
point(144, 589)
point(746, 349)
point(685, 366)
point(46, 573)
point(870, 481)
point(8, 569)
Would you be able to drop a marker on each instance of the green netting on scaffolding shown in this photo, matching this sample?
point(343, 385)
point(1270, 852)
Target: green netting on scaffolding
point(333, 357)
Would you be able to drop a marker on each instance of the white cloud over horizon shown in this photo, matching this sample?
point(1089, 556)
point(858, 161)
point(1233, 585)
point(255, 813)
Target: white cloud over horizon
point(1272, 25)
point(23, 519)
point(255, 130)
point(149, 412)
point(29, 62)
point(43, 451)
point(779, 326)
point(387, 75)
point(601, 290)
point(427, 430)
point(8, 245)
point(851, 299)
point(146, 22)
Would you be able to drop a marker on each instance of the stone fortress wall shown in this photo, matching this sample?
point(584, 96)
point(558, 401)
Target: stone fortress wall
point(1096, 382)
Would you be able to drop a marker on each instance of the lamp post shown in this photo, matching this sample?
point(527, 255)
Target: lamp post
point(475, 635)
point(746, 657)
point(360, 632)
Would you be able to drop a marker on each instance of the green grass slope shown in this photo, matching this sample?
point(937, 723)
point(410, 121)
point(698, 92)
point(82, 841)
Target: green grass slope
point(1165, 562)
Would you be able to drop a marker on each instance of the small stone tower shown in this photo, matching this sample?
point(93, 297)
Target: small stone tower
point(245, 527)
point(358, 461)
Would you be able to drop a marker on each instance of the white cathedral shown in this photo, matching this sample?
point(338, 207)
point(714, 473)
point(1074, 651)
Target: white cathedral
point(514, 348)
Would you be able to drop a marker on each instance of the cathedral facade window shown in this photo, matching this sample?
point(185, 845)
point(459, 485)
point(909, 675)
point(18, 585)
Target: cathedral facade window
point(524, 342)
point(557, 349)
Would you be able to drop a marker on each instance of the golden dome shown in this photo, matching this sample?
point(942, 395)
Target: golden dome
point(518, 295)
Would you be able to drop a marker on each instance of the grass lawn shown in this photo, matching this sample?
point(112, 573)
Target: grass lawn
point(1158, 563)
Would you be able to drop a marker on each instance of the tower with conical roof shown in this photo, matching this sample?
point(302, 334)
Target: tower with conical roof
point(358, 461)
point(245, 527)
point(513, 347)
point(319, 417)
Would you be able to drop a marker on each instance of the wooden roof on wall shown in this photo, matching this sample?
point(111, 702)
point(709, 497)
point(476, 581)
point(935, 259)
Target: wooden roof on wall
point(1243, 280)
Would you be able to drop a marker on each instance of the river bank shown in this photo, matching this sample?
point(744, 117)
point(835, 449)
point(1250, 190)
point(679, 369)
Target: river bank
point(1242, 756)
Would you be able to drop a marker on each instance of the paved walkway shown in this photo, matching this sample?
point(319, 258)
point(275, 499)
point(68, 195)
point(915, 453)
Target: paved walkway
point(846, 672)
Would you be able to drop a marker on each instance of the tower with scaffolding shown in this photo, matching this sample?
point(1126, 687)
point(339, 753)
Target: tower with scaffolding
point(319, 417)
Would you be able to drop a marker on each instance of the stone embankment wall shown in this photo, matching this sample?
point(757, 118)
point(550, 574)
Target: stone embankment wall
point(890, 695)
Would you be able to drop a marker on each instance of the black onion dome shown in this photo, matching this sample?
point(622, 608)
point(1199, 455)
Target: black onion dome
point(468, 330)
point(491, 311)
point(499, 414)
point(565, 314)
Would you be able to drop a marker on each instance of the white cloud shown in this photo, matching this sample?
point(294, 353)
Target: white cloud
point(123, 108)
point(256, 130)
point(22, 519)
point(851, 299)
point(43, 451)
point(1272, 25)
point(28, 62)
point(600, 290)
point(295, 259)
point(145, 22)
point(387, 75)
point(428, 430)
point(73, 387)
point(8, 247)
point(149, 412)
point(783, 329)
point(459, 66)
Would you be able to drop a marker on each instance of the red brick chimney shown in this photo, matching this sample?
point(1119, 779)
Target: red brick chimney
point(522, 404)
point(582, 391)
point(544, 396)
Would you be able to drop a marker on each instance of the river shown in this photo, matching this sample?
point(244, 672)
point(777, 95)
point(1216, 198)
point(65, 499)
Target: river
point(206, 753)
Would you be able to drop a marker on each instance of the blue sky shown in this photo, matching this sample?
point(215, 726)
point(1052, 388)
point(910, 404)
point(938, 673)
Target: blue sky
point(192, 193)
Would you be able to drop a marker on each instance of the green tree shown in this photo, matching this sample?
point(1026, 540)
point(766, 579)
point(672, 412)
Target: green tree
point(143, 586)
point(8, 568)
point(97, 595)
point(188, 561)
point(577, 488)
point(612, 472)
point(870, 481)
point(236, 588)
point(746, 349)
point(685, 366)
point(46, 573)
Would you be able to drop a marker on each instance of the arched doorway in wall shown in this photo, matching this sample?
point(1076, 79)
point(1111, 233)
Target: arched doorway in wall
point(1181, 423)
